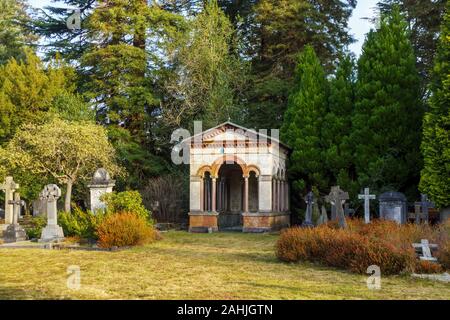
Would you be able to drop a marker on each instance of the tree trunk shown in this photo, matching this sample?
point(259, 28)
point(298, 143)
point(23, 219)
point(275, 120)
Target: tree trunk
point(68, 195)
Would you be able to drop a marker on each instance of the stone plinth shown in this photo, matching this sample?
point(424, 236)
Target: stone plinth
point(14, 233)
point(265, 222)
point(52, 233)
point(203, 221)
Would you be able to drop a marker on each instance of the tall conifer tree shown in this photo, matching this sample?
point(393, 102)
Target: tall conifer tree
point(303, 122)
point(388, 110)
point(435, 177)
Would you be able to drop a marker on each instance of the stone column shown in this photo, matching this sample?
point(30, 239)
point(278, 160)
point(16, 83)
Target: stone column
point(273, 194)
point(287, 196)
point(202, 194)
point(213, 196)
point(245, 193)
point(278, 195)
point(282, 197)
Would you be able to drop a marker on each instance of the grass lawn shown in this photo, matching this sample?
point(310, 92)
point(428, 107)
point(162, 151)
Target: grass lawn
point(193, 266)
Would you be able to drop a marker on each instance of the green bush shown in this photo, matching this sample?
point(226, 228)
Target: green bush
point(127, 201)
point(79, 223)
point(35, 227)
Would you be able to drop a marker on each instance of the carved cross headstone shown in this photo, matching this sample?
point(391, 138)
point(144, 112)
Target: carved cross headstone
point(309, 199)
point(14, 232)
point(337, 198)
point(367, 197)
point(425, 204)
point(425, 246)
point(52, 231)
point(17, 205)
point(9, 186)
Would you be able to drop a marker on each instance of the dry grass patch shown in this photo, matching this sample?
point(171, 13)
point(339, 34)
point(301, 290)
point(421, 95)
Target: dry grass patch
point(193, 266)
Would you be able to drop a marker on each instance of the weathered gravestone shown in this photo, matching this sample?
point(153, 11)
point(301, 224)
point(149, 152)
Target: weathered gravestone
point(348, 212)
point(101, 183)
point(337, 198)
point(52, 232)
point(9, 186)
point(14, 232)
point(424, 204)
point(323, 219)
point(393, 206)
point(309, 199)
point(367, 197)
point(425, 247)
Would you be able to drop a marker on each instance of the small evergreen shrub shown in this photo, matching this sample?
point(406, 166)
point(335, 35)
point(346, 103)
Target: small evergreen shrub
point(125, 229)
point(35, 226)
point(79, 223)
point(127, 201)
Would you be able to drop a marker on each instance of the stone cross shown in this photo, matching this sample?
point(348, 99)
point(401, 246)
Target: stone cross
point(9, 186)
point(425, 204)
point(367, 197)
point(309, 199)
point(337, 198)
point(52, 231)
point(16, 204)
point(426, 251)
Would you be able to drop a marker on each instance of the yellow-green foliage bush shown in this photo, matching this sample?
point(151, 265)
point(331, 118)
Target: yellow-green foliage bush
point(126, 201)
point(125, 229)
point(34, 229)
point(382, 243)
point(79, 223)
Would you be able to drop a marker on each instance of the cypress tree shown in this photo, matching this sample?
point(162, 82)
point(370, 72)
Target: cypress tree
point(388, 111)
point(336, 131)
point(302, 124)
point(435, 176)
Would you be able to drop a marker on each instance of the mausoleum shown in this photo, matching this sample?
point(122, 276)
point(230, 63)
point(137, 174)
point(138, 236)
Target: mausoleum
point(237, 180)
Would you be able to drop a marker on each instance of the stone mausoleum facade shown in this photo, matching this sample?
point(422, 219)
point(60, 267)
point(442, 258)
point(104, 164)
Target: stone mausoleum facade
point(237, 180)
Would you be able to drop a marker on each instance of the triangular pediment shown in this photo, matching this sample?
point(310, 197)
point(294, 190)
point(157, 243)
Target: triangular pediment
point(227, 132)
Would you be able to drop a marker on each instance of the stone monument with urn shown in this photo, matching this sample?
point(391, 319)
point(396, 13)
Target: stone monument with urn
point(101, 183)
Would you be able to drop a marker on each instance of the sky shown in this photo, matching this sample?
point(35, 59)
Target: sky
point(358, 26)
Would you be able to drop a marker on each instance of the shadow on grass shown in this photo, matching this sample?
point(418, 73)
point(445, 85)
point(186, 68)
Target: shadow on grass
point(7, 293)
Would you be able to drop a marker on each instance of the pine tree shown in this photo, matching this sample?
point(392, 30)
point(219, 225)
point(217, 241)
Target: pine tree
point(435, 176)
point(303, 121)
point(122, 71)
point(51, 24)
point(388, 110)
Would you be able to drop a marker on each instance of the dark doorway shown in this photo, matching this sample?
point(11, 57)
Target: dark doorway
point(230, 197)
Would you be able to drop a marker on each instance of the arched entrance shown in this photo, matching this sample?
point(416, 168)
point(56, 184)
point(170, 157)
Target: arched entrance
point(230, 196)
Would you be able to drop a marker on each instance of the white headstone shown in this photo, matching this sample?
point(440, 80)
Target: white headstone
point(9, 186)
point(100, 184)
point(52, 231)
point(367, 197)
